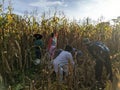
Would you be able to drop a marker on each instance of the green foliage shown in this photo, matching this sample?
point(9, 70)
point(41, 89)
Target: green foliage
point(17, 87)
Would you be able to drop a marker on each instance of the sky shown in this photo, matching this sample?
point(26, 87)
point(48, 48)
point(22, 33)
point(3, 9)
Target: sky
point(73, 9)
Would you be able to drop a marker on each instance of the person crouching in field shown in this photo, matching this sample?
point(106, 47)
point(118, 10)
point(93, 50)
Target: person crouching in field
point(62, 62)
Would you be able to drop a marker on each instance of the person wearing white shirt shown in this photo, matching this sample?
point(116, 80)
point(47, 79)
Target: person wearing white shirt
point(62, 61)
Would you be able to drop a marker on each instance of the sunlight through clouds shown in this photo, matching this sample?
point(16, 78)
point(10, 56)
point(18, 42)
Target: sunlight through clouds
point(97, 8)
point(76, 9)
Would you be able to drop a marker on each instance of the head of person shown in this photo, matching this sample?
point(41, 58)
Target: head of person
point(76, 52)
point(37, 36)
point(52, 35)
point(54, 31)
point(86, 41)
point(68, 48)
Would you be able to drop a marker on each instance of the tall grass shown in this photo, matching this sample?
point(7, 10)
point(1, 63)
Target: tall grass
point(16, 55)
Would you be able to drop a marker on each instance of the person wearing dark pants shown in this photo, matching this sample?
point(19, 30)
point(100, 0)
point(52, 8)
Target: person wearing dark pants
point(108, 67)
point(100, 53)
point(38, 45)
point(38, 52)
point(98, 70)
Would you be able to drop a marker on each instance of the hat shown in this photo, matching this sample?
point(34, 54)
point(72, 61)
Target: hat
point(37, 36)
point(86, 40)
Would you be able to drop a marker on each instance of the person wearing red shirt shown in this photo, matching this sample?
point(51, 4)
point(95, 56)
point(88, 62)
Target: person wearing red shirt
point(52, 44)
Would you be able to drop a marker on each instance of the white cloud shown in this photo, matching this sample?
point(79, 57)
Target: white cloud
point(73, 9)
point(46, 3)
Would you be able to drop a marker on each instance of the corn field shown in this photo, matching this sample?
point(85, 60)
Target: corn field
point(16, 57)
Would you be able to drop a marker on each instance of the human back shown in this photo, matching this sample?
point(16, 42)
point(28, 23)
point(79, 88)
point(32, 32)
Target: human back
point(63, 57)
point(102, 46)
point(99, 49)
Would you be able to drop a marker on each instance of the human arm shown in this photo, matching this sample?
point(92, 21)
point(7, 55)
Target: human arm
point(70, 58)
